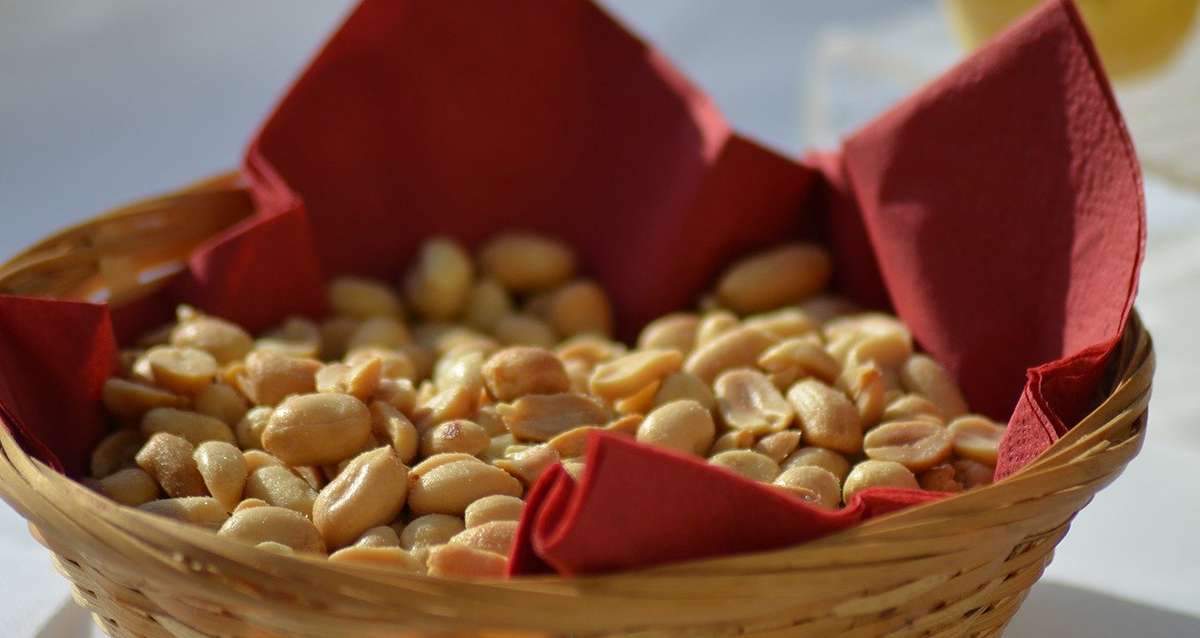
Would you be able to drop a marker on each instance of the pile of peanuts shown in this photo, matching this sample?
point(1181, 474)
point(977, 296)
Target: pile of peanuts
point(404, 429)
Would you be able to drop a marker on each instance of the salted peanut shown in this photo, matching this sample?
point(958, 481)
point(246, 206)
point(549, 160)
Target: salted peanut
point(639, 402)
point(439, 282)
point(450, 488)
point(524, 262)
point(130, 486)
point(335, 336)
point(465, 563)
point(249, 503)
point(393, 363)
point(590, 349)
point(512, 451)
point(865, 386)
point(488, 418)
point(527, 465)
point(732, 440)
point(814, 485)
point(920, 374)
point(861, 325)
point(460, 368)
point(917, 445)
point(225, 341)
point(257, 460)
point(222, 402)
point(315, 476)
point(271, 377)
point(827, 418)
point(976, 438)
point(887, 349)
point(369, 492)
point(573, 442)
point(779, 445)
point(296, 337)
point(874, 473)
point(497, 447)
point(972, 474)
point(580, 307)
point(275, 548)
point(452, 403)
point(783, 323)
point(168, 458)
point(626, 425)
point(180, 370)
point(714, 324)
point(749, 464)
point(458, 435)
point(823, 308)
point(430, 530)
point(379, 332)
point(579, 373)
point(524, 330)
point(129, 400)
point(487, 302)
point(274, 524)
point(360, 381)
point(361, 298)
point(496, 537)
point(747, 400)
point(682, 425)
point(828, 460)
point(839, 347)
point(489, 509)
point(738, 348)
point(438, 460)
point(514, 372)
point(250, 428)
point(541, 417)
point(684, 385)
point(314, 429)
point(775, 278)
point(574, 468)
point(389, 556)
point(280, 487)
point(911, 406)
point(194, 427)
point(379, 536)
point(398, 393)
point(223, 469)
point(671, 332)
point(116, 451)
point(391, 426)
point(204, 511)
point(939, 478)
point(800, 357)
point(630, 373)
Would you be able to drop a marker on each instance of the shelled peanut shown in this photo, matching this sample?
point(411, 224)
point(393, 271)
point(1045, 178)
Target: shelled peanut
point(405, 428)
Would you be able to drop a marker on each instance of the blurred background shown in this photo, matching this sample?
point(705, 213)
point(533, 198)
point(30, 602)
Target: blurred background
point(106, 101)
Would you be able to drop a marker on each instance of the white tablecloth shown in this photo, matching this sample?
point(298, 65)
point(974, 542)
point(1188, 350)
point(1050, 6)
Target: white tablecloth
point(106, 101)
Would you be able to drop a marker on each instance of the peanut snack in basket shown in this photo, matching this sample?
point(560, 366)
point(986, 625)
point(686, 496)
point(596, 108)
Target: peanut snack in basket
point(404, 429)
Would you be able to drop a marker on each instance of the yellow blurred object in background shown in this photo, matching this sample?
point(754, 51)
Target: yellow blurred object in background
point(1134, 36)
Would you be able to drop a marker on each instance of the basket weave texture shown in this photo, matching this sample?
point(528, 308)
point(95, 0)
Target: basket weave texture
point(957, 567)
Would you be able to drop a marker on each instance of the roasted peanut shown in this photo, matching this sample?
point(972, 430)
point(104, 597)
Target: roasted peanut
point(274, 524)
point(460, 367)
point(389, 557)
point(976, 438)
point(385, 333)
point(257, 460)
point(440, 281)
point(514, 372)
point(116, 451)
point(490, 420)
point(194, 427)
point(181, 370)
point(398, 363)
point(939, 478)
point(461, 562)
point(335, 336)
point(222, 402)
point(747, 400)
point(827, 418)
point(197, 510)
point(823, 308)
point(783, 323)
point(430, 530)
point(498, 507)
point(775, 278)
point(280, 487)
point(313, 429)
point(225, 341)
point(359, 381)
point(714, 324)
point(524, 330)
point(917, 445)
point(920, 374)
point(168, 458)
point(589, 349)
point(682, 425)
point(873, 473)
point(379, 536)
point(391, 426)
point(972, 474)
point(639, 402)
point(751, 465)
point(361, 298)
point(398, 393)
point(486, 304)
point(779, 445)
point(540, 417)
point(275, 548)
point(738, 348)
point(452, 403)
point(911, 406)
point(129, 400)
point(574, 468)
point(626, 425)
point(297, 337)
point(801, 358)
point(458, 435)
point(573, 442)
point(369, 492)
point(812, 484)
point(684, 385)
point(271, 377)
point(861, 325)
point(630, 373)
point(886, 349)
point(580, 307)
point(250, 428)
point(865, 386)
point(497, 446)
point(248, 503)
point(496, 537)
point(524, 262)
point(223, 469)
point(450, 488)
point(579, 373)
point(438, 460)
point(527, 465)
point(828, 460)
point(732, 440)
point(672, 332)
point(130, 486)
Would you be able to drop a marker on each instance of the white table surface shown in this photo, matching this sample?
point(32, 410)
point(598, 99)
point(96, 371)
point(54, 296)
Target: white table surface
point(103, 101)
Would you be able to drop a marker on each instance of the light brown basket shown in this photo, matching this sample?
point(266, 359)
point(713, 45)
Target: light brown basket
point(957, 567)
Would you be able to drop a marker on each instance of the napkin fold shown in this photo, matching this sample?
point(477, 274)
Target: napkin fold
point(998, 211)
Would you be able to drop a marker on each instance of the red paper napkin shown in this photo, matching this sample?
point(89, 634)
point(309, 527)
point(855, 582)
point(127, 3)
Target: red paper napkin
point(998, 211)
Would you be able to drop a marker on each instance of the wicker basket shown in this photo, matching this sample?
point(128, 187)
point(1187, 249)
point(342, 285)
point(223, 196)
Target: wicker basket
point(957, 567)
